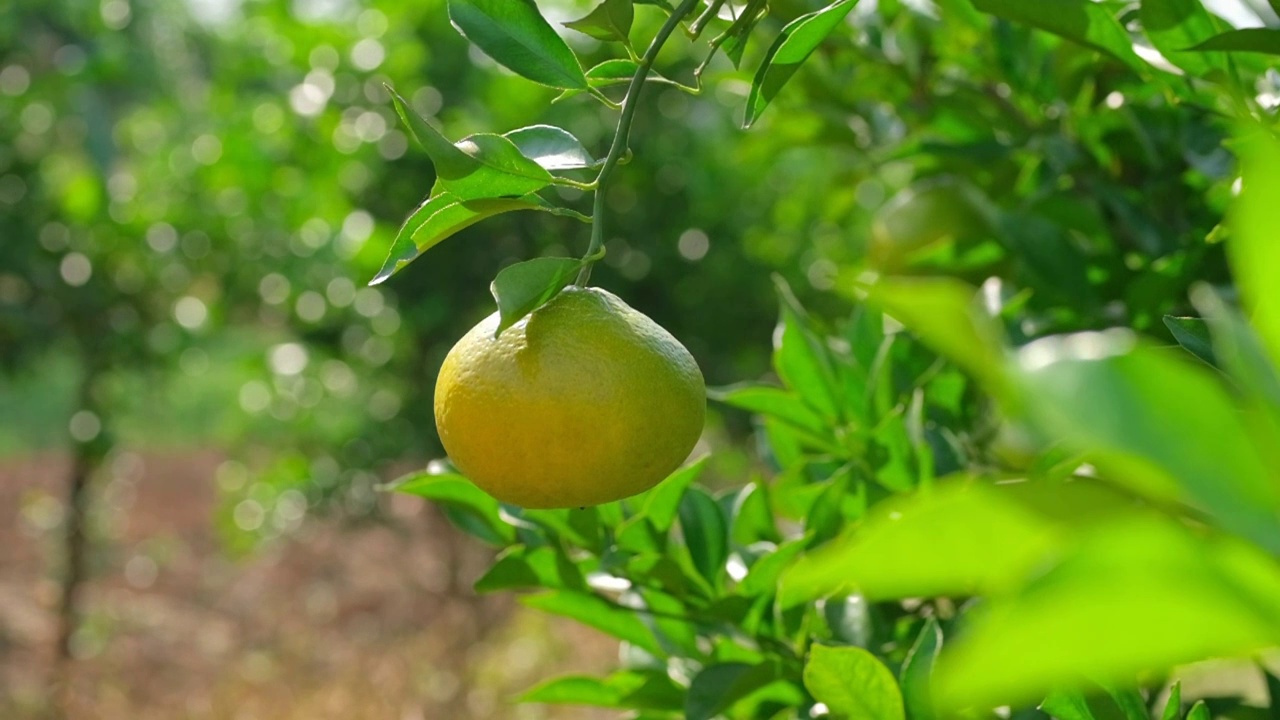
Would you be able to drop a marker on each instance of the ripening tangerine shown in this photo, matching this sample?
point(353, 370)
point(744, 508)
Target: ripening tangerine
point(583, 402)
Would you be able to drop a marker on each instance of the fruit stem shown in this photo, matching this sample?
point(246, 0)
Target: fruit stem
point(620, 137)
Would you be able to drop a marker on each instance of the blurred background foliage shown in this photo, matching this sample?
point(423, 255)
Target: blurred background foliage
point(193, 195)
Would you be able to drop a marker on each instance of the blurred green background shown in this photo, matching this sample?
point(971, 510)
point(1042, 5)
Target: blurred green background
point(193, 195)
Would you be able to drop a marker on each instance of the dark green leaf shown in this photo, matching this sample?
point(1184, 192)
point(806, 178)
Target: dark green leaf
point(1250, 40)
point(622, 623)
point(1193, 335)
point(610, 20)
point(917, 671)
point(706, 533)
point(1083, 21)
point(789, 50)
point(753, 516)
point(718, 687)
point(526, 286)
point(470, 508)
point(1067, 705)
point(736, 37)
point(515, 34)
point(852, 683)
point(1175, 25)
point(551, 147)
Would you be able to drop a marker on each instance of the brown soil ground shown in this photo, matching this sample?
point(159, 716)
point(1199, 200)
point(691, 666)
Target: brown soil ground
point(360, 622)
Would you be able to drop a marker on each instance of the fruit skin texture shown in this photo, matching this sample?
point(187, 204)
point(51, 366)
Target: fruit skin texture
point(583, 402)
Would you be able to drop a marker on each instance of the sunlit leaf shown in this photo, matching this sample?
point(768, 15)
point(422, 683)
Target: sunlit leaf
point(1252, 249)
point(467, 506)
point(1131, 597)
point(514, 33)
point(444, 215)
point(957, 540)
point(852, 683)
point(1083, 21)
point(1103, 392)
point(551, 147)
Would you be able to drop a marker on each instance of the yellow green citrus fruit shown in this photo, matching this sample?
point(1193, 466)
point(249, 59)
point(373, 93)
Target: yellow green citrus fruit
point(583, 402)
point(920, 217)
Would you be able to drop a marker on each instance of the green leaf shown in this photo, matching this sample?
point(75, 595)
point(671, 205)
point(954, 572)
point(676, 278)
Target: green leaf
point(917, 671)
point(591, 610)
point(1239, 349)
point(610, 20)
point(956, 540)
point(774, 402)
point(1249, 40)
point(762, 578)
point(551, 147)
point(736, 37)
point(718, 687)
point(1083, 21)
point(516, 35)
point(852, 683)
point(706, 533)
point(1252, 249)
point(753, 518)
point(1144, 594)
point(1107, 395)
point(1175, 25)
point(663, 501)
point(1193, 335)
point(1067, 705)
point(521, 567)
point(630, 689)
point(801, 359)
point(788, 52)
point(478, 166)
point(573, 690)
point(941, 313)
point(1130, 702)
point(1174, 706)
point(466, 505)
point(440, 217)
point(526, 286)
point(1199, 711)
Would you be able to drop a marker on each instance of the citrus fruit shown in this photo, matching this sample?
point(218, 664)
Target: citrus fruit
point(920, 217)
point(583, 402)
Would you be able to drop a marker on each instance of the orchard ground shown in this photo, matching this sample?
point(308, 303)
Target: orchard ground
point(371, 621)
